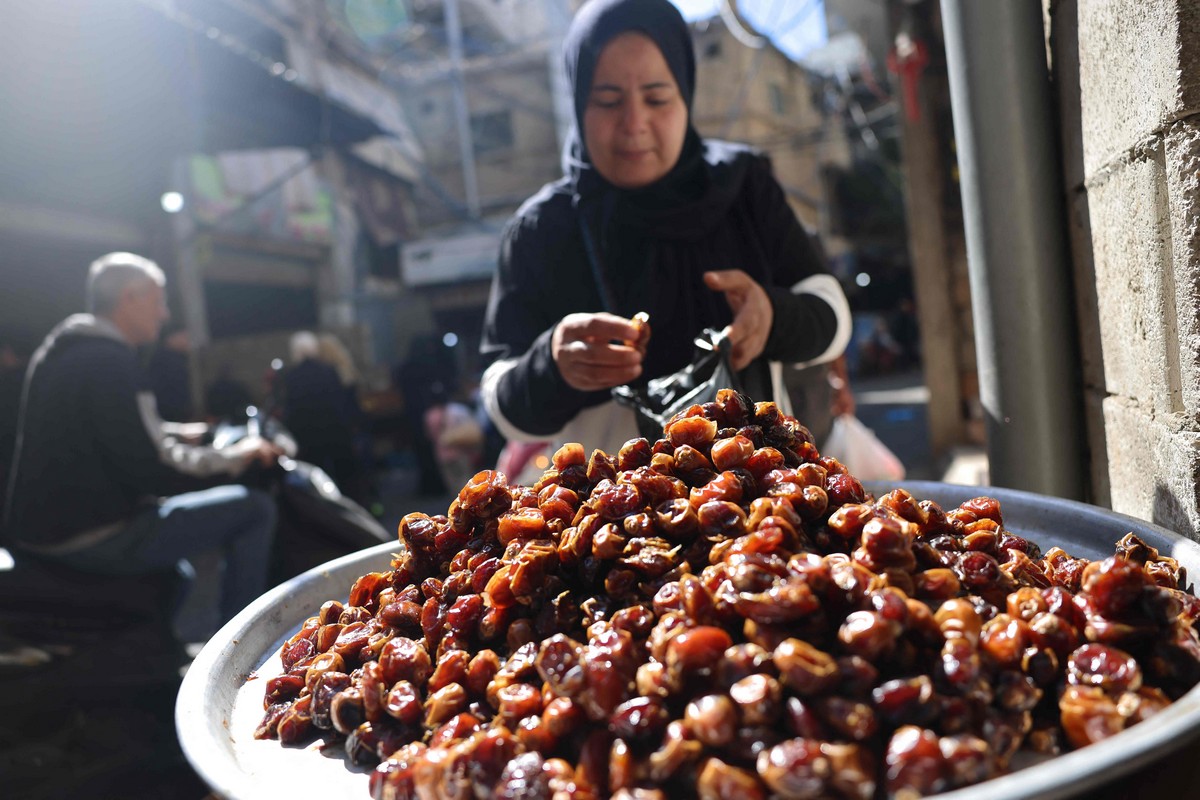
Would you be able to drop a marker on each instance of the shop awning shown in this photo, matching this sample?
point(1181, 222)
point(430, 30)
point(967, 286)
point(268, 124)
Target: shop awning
point(95, 93)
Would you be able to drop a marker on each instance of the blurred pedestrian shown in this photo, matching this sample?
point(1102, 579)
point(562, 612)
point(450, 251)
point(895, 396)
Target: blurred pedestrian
point(331, 351)
point(819, 394)
point(907, 333)
point(170, 375)
point(458, 441)
point(227, 399)
point(355, 481)
point(427, 378)
point(316, 410)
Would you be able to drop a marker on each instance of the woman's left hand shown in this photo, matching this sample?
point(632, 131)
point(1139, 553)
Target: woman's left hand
point(752, 313)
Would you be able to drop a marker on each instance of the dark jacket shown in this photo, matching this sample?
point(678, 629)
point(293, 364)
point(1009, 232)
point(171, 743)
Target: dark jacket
point(317, 407)
point(545, 273)
point(90, 449)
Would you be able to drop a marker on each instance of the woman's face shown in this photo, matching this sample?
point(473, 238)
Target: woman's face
point(635, 120)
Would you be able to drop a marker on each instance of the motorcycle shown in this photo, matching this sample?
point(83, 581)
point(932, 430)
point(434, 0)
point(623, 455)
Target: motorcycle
point(317, 522)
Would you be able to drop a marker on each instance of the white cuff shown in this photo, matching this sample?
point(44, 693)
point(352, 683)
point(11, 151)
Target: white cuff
point(827, 288)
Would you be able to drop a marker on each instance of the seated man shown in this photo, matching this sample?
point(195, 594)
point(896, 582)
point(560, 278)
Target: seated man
point(99, 482)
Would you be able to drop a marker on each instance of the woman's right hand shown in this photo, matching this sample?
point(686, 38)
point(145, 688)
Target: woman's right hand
point(598, 351)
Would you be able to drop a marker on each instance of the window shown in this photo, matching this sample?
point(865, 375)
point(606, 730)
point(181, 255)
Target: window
point(492, 131)
point(775, 93)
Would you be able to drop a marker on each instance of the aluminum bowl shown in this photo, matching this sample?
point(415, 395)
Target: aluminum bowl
point(218, 708)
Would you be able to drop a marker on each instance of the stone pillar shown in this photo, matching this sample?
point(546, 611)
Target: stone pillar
point(337, 285)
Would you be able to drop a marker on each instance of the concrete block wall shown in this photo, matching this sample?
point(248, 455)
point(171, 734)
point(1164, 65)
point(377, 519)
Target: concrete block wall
point(1129, 90)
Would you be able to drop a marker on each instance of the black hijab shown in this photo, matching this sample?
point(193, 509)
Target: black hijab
point(649, 247)
point(698, 190)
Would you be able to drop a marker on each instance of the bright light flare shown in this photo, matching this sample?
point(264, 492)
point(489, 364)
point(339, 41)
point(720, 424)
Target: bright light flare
point(171, 202)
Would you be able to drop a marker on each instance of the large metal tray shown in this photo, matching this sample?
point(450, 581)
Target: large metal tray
point(218, 708)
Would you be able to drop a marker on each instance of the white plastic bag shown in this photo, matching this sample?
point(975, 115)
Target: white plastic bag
point(856, 446)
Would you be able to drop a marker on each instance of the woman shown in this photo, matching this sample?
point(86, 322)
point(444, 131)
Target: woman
point(647, 218)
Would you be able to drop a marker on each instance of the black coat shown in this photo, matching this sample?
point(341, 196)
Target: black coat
point(545, 273)
point(317, 408)
point(85, 456)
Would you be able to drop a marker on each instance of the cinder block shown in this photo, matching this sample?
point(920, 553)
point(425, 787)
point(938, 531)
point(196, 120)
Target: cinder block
point(1130, 444)
point(1153, 468)
point(1139, 67)
point(1130, 249)
point(1182, 161)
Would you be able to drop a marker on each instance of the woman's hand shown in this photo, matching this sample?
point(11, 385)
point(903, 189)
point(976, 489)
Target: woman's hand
point(752, 313)
point(598, 351)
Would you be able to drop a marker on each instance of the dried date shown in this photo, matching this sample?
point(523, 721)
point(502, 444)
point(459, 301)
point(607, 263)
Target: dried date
point(724, 612)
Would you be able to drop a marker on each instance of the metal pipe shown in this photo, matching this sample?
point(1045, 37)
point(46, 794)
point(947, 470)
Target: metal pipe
point(1017, 252)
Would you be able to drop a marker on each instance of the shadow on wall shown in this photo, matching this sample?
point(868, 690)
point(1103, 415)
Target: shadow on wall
point(1091, 349)
point(1064, 35)
point(1170, 511)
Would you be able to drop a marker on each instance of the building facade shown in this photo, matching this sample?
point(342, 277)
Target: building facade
point(227, 140)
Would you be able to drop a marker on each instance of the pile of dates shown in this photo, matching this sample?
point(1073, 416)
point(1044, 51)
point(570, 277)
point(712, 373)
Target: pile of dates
point(724, 613)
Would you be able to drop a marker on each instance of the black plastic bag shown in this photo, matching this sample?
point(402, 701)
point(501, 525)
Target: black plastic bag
point(662, 398)
point(325, 511)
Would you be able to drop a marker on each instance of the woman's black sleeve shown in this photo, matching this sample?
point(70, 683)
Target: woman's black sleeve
point(527, 392)
point(804, 324)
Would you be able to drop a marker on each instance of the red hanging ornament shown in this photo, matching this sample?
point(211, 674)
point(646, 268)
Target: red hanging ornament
point(908, 59)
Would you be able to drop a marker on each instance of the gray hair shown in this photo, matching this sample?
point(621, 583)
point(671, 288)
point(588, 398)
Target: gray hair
point(109, 275)
point(304, 344)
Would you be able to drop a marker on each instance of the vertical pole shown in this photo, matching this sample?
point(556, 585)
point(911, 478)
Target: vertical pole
point(466, 144)
point(1016, 244)
point(337, 296)
point(191, 282)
